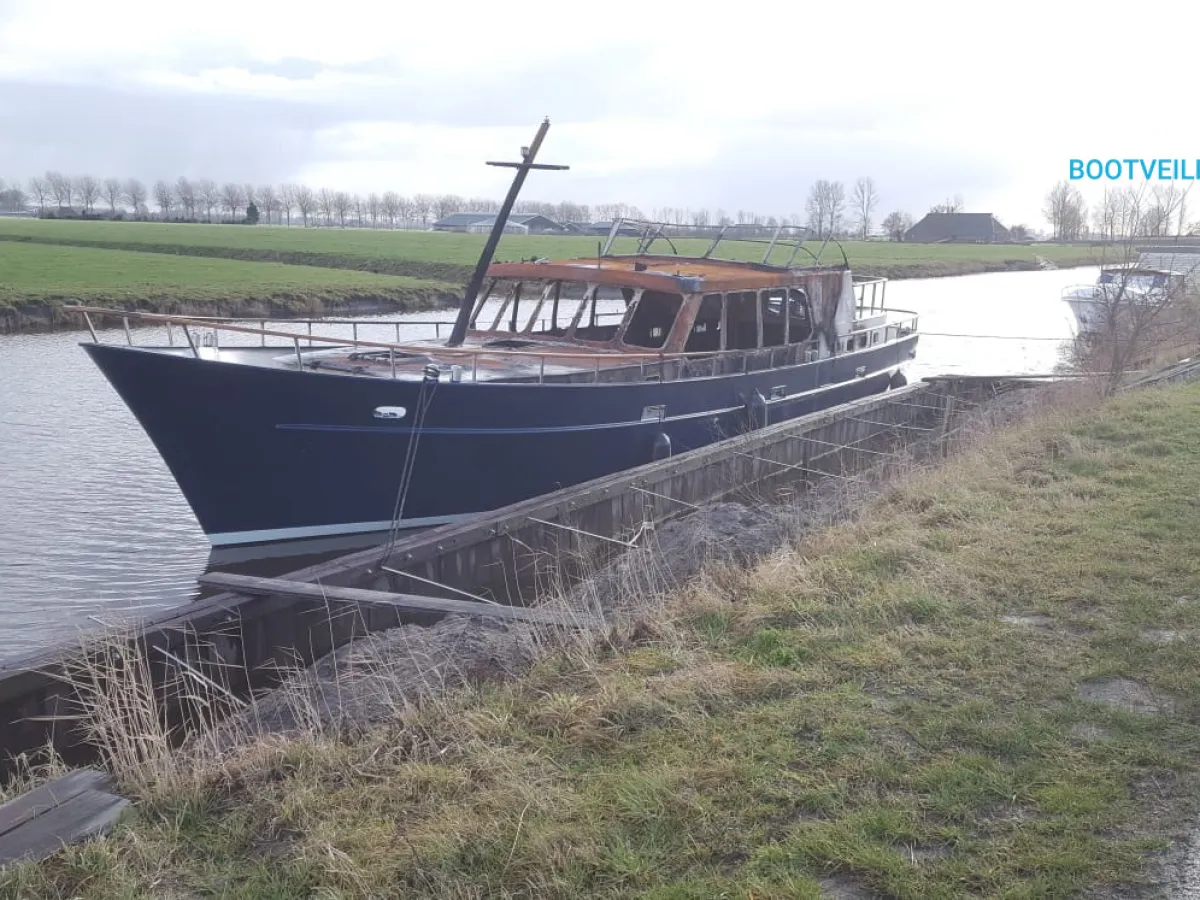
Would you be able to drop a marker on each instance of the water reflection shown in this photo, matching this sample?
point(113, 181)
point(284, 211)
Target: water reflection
point(94, 530)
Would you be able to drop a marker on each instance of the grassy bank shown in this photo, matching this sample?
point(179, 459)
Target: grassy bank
point(39, 278)
point(452, 256)
point(984, 686)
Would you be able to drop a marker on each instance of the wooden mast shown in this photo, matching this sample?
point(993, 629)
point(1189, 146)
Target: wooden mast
point(489, 249)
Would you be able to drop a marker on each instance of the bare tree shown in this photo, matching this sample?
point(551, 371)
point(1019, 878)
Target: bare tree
point(389, 206)
point(359, 209)
point(825, 205)
point(866, 198)
point(326, 204)
point(164, 198)
point(112, 193)
point(185, 193)
point(60, 188)
point(817, 207)
point(40, 189)
point(422, 205)
point(896, 224)
point(949, 205)
point(1065, 211)
point(87, 189)
point(1105, 217)
point(1155, 220)
point(448, 204)
point(135, 196)
point(232, 198)
point(341, 206)
point(287, 200)
point(305, 202)
point(210, 196)
point(269, 201)
point(373, 209)
point(837, 206)
point(249, 194)
point(1180, 228)
point(1133, 210)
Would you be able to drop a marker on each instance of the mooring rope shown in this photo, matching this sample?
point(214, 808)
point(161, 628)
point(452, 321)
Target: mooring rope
point(428, 383)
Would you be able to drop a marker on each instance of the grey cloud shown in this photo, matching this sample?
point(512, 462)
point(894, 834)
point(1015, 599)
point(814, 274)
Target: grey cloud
point(152, 135)
point(153, 132)
point(159, 133)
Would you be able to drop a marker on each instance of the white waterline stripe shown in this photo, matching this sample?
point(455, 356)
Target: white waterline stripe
point(227, 538)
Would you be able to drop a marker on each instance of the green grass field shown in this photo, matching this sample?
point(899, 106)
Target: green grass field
point(910, 705)
point(441, 255)
point(43, 262)
point(44, 272)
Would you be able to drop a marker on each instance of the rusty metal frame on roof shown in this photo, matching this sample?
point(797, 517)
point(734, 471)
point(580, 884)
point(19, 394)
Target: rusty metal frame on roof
point(772, 236)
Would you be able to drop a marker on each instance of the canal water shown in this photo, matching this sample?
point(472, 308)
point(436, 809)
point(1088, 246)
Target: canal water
point(93, 530)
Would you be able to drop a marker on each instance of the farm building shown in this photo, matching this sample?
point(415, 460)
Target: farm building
point(518, 224)
point(958, 228)
point(461, 221)
point(482, 223)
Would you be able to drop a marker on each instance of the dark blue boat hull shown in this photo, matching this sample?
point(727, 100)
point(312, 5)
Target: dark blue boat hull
point(267, 454)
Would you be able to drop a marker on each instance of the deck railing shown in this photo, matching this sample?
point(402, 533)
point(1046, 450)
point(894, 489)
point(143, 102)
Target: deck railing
point(602, 359)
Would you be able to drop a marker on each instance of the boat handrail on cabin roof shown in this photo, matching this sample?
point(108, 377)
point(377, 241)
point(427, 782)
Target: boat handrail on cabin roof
point(775, 237)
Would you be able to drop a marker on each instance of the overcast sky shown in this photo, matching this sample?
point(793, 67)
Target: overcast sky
point(652, 104)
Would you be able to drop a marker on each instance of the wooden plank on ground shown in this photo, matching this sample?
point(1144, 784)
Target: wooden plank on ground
point(250, 584)
point(85, 815)
point(29, 806)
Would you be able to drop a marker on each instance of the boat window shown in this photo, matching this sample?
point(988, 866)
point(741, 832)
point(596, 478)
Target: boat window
point(510, 301)
point(652, 319)
point(741, 319)
point(604, 313)
point(538, 294)
point(799, 326)
point(706, 330)
point(772, 317)
point(563, 303)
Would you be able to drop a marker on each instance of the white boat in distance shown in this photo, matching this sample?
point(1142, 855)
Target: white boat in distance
point(1121, 286)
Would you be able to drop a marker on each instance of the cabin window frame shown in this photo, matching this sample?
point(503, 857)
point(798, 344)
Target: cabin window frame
point(631, 313)
point(514, 293)
point(480, 301)
point(589, 291)
point(537, 309)
point(742, 298)
point(704, 298)
point(764, 298)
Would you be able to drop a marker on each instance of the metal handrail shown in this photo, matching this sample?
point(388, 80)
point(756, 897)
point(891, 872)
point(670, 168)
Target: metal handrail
point(214, 323)
point(615, 357)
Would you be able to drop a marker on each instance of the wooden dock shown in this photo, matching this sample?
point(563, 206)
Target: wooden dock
point(258, 630)
point(73, 808)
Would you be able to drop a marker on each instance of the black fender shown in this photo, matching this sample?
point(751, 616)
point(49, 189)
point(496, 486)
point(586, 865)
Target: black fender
point(897, 381)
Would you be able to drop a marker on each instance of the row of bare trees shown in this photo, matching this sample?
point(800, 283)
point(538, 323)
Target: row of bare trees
point(1136, 211)
point(829, 211)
